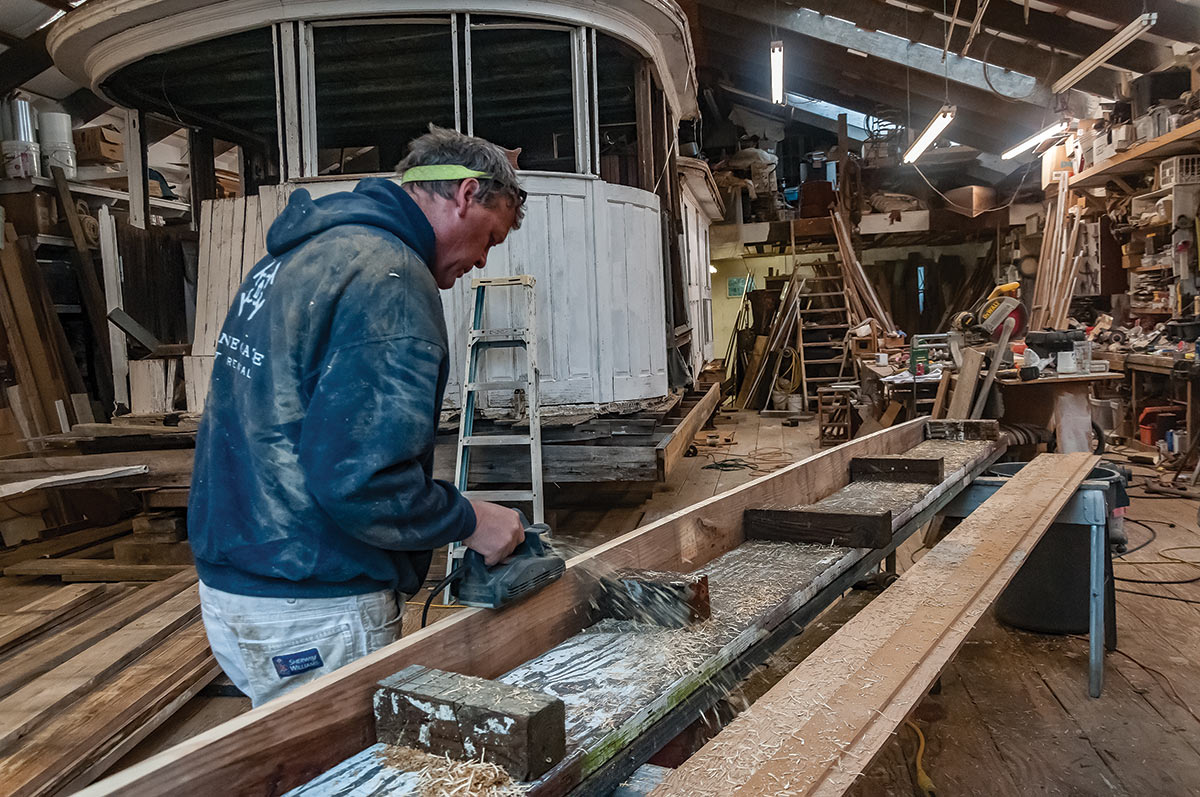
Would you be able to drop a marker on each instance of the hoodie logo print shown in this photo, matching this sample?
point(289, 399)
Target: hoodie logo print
point(256, 298)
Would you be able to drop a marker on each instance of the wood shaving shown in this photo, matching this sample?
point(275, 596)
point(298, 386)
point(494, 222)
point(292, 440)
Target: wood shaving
point(442, 776)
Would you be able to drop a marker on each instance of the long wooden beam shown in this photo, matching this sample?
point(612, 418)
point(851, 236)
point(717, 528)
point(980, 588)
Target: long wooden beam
point(816, 730)
point(302, 734)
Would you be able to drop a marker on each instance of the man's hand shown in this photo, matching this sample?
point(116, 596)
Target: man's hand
point(498, 531)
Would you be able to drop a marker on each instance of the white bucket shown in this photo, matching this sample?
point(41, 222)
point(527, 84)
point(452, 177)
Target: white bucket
point(795, 403)
point(54, 130)
point(21, 159)
point(61, 155)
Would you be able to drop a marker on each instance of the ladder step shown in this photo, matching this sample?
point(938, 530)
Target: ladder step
point(821, 293)
point(500, 495)
point(497, 440)
point(814, 310)
point(501, 334)
point(823, 362)
point(829, 344)
point(501, 384)
point(825, 326)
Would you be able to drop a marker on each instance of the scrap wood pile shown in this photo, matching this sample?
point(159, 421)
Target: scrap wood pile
point(88, 670)
point(861, 297)
point(1058, 262)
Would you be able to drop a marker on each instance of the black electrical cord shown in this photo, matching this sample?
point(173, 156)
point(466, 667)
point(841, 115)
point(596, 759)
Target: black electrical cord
point(1152, 595)
point(453, 574)
point(1153, 537)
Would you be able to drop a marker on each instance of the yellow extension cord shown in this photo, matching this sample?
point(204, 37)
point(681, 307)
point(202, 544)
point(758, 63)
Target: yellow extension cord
point(924, 782)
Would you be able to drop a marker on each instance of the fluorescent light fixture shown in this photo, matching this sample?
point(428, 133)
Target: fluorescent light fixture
point(777, 73)
point(1037, 138)
point(932, 131)
point(1106, 51)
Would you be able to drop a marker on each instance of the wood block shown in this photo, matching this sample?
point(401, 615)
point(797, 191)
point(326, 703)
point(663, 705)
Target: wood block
point(851, 530)
point(898, 468)
point(465, 717)
point(962, 430)
point(160, 523)
point(672, 600)
point(139, 552)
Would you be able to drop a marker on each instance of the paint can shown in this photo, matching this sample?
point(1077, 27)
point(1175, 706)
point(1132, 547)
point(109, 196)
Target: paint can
point(20, 121)
point(21, 159)
point(62, 156)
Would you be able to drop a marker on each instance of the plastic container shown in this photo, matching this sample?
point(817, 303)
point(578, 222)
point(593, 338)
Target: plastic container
point(21, 159)
point(1050, 593)
point(62, 156)
point(54, 130)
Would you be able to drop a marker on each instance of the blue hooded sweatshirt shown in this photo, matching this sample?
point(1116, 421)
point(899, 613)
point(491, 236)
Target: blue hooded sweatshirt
point(314, 460)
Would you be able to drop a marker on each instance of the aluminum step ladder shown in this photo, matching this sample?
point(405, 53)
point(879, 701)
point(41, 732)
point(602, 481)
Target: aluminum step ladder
point(479, 341)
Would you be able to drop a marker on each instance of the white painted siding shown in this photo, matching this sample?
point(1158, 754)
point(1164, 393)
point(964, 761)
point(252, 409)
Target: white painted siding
point(595, 251)
point(696, 260)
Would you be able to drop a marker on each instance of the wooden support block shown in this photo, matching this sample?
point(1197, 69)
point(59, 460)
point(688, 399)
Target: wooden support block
point(851, 530)
point(160, 523)
point(672, 600)
point(143, 552)
point(962, 430)
point(465, 717)
point(898, 468)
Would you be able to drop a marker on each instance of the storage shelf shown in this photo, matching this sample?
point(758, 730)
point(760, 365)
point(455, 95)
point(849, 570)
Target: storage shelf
point(1142, 158)
point(169, 207)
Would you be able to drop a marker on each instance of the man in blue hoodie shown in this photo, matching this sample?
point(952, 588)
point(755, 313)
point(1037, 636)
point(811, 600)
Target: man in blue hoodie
point(312, 500)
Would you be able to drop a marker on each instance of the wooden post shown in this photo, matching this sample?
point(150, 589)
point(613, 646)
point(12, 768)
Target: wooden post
point(135, 161)
point(644, 115)
point(203, 170)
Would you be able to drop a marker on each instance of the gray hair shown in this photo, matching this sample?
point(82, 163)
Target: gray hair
point(443, 146)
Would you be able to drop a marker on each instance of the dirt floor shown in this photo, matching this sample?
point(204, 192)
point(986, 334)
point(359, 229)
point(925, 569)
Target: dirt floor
point(1012, 715)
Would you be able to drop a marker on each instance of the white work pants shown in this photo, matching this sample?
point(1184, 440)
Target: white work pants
point(268, 646)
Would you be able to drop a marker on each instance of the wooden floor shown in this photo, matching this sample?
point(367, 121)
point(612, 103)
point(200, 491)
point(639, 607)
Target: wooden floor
point(1013, 715)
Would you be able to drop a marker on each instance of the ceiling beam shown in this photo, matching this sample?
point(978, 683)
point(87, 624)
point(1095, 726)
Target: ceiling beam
point(1052, 30)
point(864, 96)
point(803, 54)
point(925, 27)
point(24, 61)
point(57, 5)
point(920, 58)
point(1177, 21)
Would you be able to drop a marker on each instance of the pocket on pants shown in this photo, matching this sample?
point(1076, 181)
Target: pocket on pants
point(381, 619)
point(284, 655)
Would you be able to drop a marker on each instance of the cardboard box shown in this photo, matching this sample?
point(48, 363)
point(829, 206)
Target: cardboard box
point(32, 213)
point(971, 200)
point(1055, 159)
point(99, 144)
point(1131, 261)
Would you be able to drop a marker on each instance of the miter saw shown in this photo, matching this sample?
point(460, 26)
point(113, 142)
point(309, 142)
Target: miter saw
point(984, 323)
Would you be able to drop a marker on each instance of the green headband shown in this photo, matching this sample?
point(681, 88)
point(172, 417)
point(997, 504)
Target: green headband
point(439, 171)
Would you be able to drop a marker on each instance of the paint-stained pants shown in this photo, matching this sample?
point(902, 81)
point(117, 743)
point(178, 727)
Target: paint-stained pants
point(269, 646)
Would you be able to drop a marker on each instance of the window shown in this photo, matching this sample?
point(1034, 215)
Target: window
point(522, 92)
point(378, 86)
point(224, 85)
point(616, 70)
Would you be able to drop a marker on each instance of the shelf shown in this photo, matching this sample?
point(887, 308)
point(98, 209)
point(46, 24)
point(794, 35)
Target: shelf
point(169, 207)
point(1142, 158)
point(53, 240)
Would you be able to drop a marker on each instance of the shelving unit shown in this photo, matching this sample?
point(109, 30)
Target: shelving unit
point(171, 208)
point(1141, 158)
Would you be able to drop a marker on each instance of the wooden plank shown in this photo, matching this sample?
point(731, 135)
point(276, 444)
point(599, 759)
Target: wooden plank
point(64, 543)
point(13, 489)
point(303, 733)
point(848, 529)
point(752, 368)
point(845, 701)
point(148, 391)
point(964, 388)
point(80, 735)
point(16, 627)
point(671, 600)
point(146, 552)
point(44, 654)
point(939, 400)
point(463, 717)
point(169, 468)
point(674, 446)
point(898, 468)
point(93, 570)
point(567, 463)
point(33, 703)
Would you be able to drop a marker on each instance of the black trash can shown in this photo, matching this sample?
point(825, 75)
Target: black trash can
point(1050, 593)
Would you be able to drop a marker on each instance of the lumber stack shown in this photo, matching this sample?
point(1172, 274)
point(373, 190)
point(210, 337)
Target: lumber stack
point(1058, 262)
point(88, 671)
point(863, 301)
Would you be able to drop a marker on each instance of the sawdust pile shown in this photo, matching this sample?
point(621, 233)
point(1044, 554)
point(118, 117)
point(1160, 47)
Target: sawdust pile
point(442, 776)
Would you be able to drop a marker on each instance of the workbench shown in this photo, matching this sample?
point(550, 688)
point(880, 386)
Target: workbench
point(1059, 403)
point(1142, 368)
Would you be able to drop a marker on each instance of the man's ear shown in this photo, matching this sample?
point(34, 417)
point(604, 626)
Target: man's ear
point(467, 190)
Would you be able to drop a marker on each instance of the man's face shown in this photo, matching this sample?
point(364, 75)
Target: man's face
point(466, 231)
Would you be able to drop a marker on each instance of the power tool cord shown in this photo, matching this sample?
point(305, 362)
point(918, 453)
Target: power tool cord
point(451, 576)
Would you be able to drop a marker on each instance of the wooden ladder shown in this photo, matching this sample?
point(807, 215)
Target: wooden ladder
point(821, 334)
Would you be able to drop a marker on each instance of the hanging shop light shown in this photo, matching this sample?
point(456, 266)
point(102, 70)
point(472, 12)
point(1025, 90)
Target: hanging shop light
point(1106, 51)
point(777, 73)
point(1056, 129)
point(934, 129)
